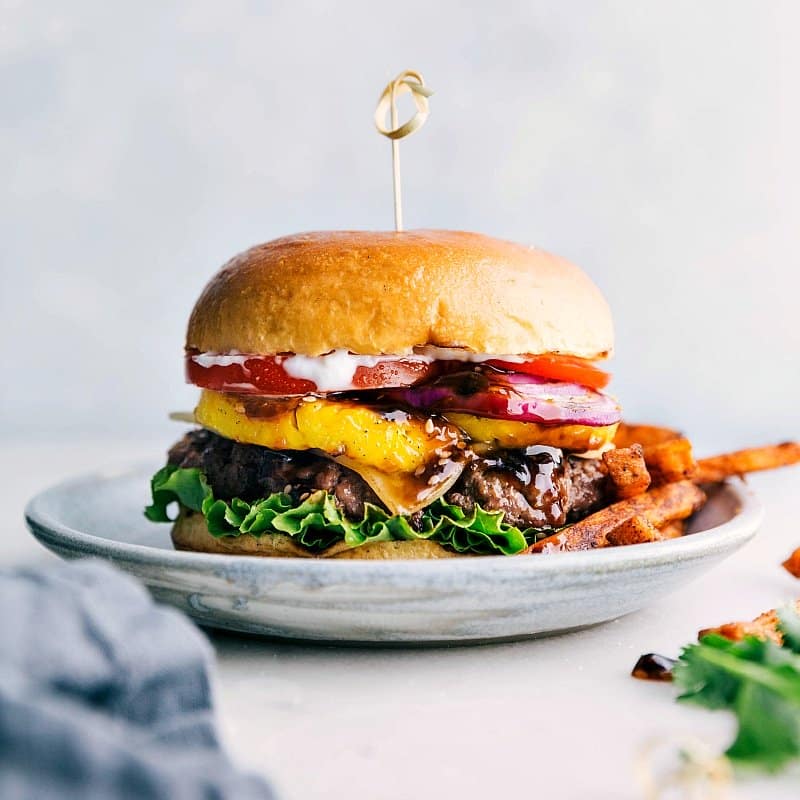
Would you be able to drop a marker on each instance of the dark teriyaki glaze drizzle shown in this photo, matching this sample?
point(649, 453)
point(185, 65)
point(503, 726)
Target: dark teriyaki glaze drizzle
point(654, 667)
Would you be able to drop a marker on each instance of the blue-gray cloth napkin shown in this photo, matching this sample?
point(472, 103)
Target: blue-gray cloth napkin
point(104, 694)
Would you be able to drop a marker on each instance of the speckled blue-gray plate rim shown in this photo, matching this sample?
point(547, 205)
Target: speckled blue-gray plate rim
point(448, 600)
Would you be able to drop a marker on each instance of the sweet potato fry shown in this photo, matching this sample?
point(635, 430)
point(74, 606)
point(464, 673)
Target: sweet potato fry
point(627, 470)
point(672, 530)
point(635, 530)
point(657, 506)
point(765, 626)
point(644, 435)
point(670, 461)
point(717, 468)
point(792, 564)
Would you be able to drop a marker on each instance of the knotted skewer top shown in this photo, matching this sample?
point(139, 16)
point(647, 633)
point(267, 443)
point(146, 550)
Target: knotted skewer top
point(405, 83)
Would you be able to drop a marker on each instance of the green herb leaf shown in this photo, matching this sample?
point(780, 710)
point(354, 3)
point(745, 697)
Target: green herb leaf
point(789, 626)
point(317, 522)
point(769, 728)
point(759, 681)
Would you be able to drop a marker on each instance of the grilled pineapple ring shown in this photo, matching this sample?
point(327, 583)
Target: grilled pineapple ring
point(389, 442)
point(506, 433)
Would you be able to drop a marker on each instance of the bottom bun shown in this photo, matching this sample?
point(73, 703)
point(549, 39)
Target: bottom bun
point(394, 550)
point(191, 533)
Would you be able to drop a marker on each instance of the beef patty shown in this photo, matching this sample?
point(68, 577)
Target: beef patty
point(539, 487)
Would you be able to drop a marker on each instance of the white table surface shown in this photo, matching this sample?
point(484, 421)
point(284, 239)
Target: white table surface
point(556, 717)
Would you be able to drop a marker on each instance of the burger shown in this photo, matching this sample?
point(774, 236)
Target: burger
point(383, 395)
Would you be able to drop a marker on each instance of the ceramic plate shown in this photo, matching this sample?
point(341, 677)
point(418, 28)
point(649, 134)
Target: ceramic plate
point(450, 600)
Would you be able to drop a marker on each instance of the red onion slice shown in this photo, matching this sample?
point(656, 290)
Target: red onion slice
point(514, 396)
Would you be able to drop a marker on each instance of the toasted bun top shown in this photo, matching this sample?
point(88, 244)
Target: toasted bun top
point(386, 292)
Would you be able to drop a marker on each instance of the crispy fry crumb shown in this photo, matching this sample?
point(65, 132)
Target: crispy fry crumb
point(635, 530)
point(792, 564)
point(627, 470)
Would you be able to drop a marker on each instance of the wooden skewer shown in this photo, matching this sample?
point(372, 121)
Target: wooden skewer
point(406, 82)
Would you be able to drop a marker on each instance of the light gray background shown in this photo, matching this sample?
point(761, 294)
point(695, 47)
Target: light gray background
point(655, 144)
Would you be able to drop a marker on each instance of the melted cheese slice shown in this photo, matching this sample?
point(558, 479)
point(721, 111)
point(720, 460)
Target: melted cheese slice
point(406, 459)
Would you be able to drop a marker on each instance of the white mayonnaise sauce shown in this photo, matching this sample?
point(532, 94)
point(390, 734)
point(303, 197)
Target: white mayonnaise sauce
point(220, 359)
point(434, 353)
point(335, 371)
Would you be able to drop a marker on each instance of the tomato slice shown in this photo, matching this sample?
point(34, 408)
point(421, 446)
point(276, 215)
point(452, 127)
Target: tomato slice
point(558, 368)
point(392, 374)
point(266, 375)
point(343, 372)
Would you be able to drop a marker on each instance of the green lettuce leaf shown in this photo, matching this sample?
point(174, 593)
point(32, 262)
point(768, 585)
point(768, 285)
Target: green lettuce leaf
point(170, 485)
point(317, 522)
